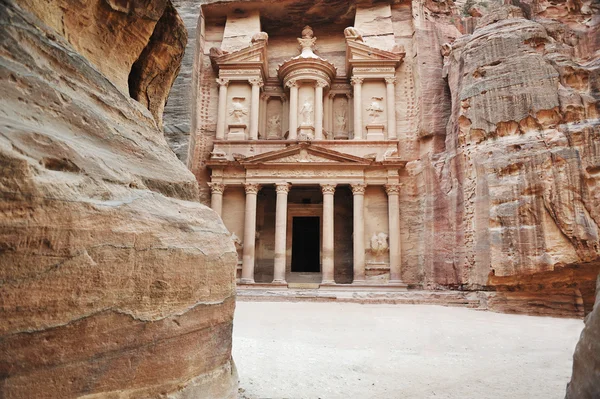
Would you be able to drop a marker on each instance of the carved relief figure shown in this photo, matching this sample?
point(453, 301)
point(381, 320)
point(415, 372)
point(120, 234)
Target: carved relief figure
point(351, 33)
point(238, 111)
point(379, 244)
point(307, 113)
point(274, 128)
point(340, 118)
point(375, 109)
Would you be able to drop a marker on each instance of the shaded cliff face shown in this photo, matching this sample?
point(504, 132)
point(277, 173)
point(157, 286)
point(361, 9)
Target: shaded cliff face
point(521, 160)
point(114, 280)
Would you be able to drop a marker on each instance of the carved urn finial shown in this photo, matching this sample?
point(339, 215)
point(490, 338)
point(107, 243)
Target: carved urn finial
point(307, 42)
point(307, 32)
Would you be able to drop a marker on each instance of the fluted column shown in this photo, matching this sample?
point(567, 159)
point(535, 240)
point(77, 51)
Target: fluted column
point(216, 197)
point(249, 233)
point(319, 109)
point(328, 239)
point(222, 108)
point(357, 83)
point(293, 121)
point(391, 107)
point(393, 191)
point(254, 107)
point(280, 232)
point(358, 193)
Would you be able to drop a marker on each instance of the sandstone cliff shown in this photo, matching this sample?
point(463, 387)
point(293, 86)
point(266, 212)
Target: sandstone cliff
point(115, 281)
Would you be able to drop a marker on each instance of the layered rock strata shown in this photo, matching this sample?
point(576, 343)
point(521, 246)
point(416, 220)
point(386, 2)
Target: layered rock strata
point(115, 281)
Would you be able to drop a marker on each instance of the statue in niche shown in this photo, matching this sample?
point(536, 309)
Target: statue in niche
point(238, 111)
point(274, 128)
point(375, 109)
point(340, 119)
point(379, 244)
point(307, 113)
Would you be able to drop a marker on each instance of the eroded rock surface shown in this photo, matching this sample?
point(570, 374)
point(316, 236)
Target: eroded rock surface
point(114, 280)
point(585, 382)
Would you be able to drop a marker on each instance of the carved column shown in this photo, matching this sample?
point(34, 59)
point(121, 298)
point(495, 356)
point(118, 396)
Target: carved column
point(222, 108)
point(330, 115)
point(319, 109)
point(249, 233)
point(328, 239)
point(326, 119)
point(358, 193)
point(350, 112)
point(254, 107)
point(280, 232)
point(393, 191)
point(216, 197)
point(391, 107)
point(286, 116)
point(293, 85)
point(264, 102)
point(357, 83)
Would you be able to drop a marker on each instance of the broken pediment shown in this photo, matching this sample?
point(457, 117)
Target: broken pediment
point(253, 56)
point(304, 154)
point(359, 54)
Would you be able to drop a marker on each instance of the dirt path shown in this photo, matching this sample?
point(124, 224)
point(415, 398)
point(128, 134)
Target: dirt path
point(343, 350)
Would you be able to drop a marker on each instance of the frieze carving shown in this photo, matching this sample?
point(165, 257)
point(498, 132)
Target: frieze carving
point(302, 156)
point(239, 72)
point(252, 188)
point(328, 188)
point(312, 72)
point(270, 173)
point(374, 69)
point(283, 187)
point(358, 189)
point(216, 188)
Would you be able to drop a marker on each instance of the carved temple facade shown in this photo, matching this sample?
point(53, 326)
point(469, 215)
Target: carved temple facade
point(304, 165)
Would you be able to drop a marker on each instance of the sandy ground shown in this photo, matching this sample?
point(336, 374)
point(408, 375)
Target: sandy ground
point(345, 350)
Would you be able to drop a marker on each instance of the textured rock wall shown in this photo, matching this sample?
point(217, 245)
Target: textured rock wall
point(115, 281)
point(585, 382)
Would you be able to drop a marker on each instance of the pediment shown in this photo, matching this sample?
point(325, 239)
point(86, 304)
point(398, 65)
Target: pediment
point(360, 54)
point(254, 55)
point(305, 154)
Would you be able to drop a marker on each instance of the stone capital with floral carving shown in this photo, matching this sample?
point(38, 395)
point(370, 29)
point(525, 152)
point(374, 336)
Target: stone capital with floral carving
point(222, 81)
point(216, 188)
point(392, 189)
point(321, 83)
point(256, 82)
point(357, 80)
point(283, 187)
point(252, 188)
point(358, 188)
point(390, 81)
point(292, 83)
point(328, 188)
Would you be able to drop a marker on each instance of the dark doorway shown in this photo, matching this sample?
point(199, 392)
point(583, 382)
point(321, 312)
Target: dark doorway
point(305, 244)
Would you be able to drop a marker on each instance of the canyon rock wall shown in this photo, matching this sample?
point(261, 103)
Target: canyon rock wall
point(585, 382)
point(115, 281)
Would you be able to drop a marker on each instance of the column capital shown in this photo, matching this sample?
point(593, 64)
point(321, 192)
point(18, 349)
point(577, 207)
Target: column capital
point(256, 82)
point(349, 95)
point(390, 81)
point(252, 188)
point(292, 83)
point(222, 81)
point(283, 187)
point(265, 96)
point(321, 83)
point(355, 80)
point(331, 95)
point(328, 188)
point(358, 188)
point(217, 188)
point(392, 188)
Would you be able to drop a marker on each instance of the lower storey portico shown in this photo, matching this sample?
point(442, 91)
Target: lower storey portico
point(311, 213)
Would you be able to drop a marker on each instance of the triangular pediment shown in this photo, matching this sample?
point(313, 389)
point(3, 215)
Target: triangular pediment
point(254, 55)
point(305, 154)
point(358, 53)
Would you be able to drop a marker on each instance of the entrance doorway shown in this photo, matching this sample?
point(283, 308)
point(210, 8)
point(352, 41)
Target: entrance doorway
point(306, 244)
